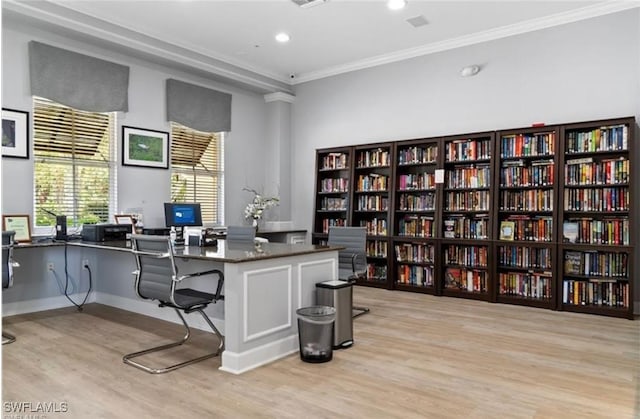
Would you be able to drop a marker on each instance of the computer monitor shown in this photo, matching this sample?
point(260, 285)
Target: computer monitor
point(182, 214)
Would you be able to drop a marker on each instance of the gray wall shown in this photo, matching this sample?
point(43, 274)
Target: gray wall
point(576, 72)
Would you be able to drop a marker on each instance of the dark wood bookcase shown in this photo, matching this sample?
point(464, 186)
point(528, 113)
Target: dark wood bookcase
point(597, 218)
point(525, 202)
point(538, 216)
point(334, 189)
point(466, 216)
point(372, 198)
point(415, 228)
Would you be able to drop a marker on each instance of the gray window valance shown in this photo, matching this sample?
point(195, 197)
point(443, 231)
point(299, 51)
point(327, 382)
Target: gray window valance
point(197, 107)
point(78, 80)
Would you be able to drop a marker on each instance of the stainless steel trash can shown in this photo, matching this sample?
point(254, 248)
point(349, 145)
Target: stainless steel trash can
point(338, 294)
point(315, 333)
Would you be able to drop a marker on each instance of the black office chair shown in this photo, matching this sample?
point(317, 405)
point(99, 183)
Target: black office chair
point(156, 279)
point(352, 261)
point(7, 272)
point(241, 233)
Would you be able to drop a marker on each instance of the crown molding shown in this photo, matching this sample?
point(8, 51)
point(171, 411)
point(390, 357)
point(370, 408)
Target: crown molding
point(279, 97)
point(532, 25)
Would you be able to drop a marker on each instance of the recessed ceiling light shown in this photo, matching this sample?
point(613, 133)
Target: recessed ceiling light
point(282, 37)
point(470, 70)
point(396, 4)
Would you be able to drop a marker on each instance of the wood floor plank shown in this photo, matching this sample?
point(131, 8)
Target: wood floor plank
point(415, 356)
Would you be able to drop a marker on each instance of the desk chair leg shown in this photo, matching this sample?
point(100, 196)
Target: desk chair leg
point(128, 359)
point(7, 338)
point(362, 310)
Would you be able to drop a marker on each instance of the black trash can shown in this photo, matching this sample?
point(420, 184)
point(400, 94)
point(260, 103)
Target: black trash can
point(315, 333)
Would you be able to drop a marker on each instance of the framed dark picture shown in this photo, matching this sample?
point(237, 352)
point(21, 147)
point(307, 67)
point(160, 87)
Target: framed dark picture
point(144, 147)
point(15, 133)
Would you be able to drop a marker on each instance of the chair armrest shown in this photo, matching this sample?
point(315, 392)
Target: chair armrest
point(209, 272)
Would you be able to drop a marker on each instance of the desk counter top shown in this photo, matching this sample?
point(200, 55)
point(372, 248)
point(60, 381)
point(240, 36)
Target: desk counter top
point(225, 251)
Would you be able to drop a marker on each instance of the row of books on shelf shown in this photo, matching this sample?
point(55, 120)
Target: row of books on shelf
point(332, 222)
point(375, 226)
point(334, 161)
point(526, 285)
point(411, 181)
point(417, 202)
point(376, 248)
point(599, 294)
point(418, 155)
point(470, 280)
point(416, 226)
point(372, 182)
point(472, 176)
point(372, 203)
point(597, 231)
point(334, 185)
point(467, 201)
point(463, 227)
point(421, 276)
point(376, 272)
point(527, 228)
point(607, 138)
point(597, 199)
point(600, 265)
point(585, 171)
point(415, 253)
point(525, 145)
point(467, 150)
point(516, 175)
point(525, 257)
point(529, 200)
point(333, 204)
point(476, 256)
point(374, 158)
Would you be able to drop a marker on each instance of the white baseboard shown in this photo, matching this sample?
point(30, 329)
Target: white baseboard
point(151, 309)
point(235, 363)
point(42, 304)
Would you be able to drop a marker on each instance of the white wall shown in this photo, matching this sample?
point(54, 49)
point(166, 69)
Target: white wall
point(576, 72)
point(137, 187)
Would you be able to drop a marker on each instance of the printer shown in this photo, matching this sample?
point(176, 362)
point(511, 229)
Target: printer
point(105, 232)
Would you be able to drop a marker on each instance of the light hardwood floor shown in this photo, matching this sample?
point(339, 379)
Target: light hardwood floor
point(415, 356)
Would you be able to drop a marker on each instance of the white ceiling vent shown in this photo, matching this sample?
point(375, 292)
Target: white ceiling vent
point(308, 3)
point(417, 21)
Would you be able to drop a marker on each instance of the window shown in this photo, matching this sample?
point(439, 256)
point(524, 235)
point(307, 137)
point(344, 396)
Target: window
point(75, 167)
point(197, 170)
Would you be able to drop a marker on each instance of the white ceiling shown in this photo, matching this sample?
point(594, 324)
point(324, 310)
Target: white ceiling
point(328, 39)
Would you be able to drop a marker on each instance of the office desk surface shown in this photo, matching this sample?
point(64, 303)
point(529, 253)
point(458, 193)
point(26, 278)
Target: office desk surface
point(225, 251)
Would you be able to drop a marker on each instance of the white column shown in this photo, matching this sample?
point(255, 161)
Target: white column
point(279, 154)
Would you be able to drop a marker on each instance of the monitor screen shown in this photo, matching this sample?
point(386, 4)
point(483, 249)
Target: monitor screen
point(182, 214)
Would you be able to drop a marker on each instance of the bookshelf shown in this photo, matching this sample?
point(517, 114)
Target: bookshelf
point(466, 222)
point(598, 225)
point(372, 196)
point(525, 203)
point(538, 216)
point(415, 213)
point(333, 190)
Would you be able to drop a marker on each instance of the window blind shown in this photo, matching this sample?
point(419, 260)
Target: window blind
point(197, 170)
point(74, 168)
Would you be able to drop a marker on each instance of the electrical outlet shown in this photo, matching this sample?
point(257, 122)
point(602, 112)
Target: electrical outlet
point(50, 266)
point(85, 263)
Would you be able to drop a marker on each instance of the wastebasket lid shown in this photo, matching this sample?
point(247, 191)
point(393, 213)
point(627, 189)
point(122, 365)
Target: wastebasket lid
point(335, 284)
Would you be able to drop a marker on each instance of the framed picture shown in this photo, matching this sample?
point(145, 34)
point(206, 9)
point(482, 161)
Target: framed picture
point(20, 224)
point(15, 133)
point(146, 148)
point(125, 219)
point(507, 230)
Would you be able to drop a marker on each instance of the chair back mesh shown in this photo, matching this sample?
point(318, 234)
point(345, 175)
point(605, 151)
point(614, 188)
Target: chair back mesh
point(354, 241)
point(241, 233)
point(7, 258)
point(154, 280)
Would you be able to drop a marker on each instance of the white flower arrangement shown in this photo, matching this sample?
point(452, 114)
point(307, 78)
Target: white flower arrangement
point(258, 205)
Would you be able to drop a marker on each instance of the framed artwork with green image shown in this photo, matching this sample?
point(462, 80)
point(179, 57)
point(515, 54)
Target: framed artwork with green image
point(145, 148)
